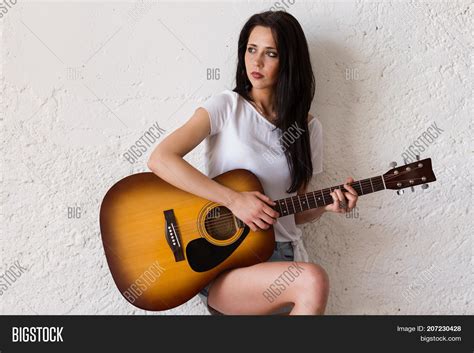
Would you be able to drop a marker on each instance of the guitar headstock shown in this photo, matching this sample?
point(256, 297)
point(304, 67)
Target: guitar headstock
point(409, 175)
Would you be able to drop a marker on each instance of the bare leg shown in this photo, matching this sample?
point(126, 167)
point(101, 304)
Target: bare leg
point(264, 288)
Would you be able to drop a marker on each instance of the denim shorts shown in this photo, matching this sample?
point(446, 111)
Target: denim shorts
point(283, 252)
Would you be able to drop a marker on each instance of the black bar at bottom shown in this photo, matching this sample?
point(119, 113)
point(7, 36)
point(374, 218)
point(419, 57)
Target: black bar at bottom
point(207, 333)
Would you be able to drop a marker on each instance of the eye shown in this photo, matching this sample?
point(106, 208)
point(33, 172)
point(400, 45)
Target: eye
point(271, 54)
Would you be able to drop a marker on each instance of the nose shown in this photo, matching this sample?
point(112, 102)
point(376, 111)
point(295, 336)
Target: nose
point(258, 61)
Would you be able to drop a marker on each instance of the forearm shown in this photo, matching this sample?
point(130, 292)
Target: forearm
point(178, 172)
point(309, 215)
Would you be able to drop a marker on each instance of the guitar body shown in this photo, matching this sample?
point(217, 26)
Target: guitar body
point(163, 245)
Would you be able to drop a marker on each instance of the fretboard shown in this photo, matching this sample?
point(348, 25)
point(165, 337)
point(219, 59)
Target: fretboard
point(320, 198)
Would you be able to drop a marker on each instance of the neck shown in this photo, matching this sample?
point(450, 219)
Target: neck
point(320, 198)
point(263, 97)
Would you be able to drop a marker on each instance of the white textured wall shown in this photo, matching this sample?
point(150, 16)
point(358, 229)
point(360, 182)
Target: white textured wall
point(82, 82)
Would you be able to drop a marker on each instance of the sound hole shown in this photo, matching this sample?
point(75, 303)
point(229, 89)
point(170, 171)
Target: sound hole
point(219, 223)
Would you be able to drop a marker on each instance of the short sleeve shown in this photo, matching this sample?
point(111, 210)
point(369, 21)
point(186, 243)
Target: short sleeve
point(316, 141)
point(220, 108)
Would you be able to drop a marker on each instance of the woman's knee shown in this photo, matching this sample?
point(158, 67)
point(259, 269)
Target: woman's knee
point(314, 280)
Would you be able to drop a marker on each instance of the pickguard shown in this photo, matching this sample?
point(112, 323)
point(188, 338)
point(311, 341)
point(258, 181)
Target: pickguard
point(203, 256)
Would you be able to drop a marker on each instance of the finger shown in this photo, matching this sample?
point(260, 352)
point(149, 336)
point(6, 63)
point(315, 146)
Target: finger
point(260, 224)
point(272, 213)
point(267, 219)
point(252, 226)
point(336, 202)
point(342, 201)
point(265, 198)
point(349, 180)
point(350, 189)
point(351, 204)
point(349, 196)
point(352, 200)
point(340, 195)
point(335, 198)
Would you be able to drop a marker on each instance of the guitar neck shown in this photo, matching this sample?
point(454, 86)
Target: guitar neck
point(320, 198)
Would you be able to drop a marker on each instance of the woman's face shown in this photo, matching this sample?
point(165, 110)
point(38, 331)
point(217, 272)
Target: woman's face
point(261, 57)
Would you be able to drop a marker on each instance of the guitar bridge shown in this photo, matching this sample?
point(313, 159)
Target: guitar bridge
point(172, 236)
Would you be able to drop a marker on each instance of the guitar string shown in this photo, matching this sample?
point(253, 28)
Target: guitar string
point(228, 216)
point(224, 219)
point(325, 194)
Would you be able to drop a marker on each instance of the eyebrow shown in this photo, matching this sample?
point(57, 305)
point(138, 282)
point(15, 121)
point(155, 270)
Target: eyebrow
point(255, 45)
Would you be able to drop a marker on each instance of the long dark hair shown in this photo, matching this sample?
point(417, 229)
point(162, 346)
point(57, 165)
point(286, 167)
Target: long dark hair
point(294, 89)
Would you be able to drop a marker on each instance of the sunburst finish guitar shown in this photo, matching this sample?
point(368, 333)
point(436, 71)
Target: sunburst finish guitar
point(163, 244)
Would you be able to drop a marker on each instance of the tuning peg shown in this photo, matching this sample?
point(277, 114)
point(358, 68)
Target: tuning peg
point(400, 192)
point(412, 189)
point(417, 157)
point(424, 186)
point(393, 164)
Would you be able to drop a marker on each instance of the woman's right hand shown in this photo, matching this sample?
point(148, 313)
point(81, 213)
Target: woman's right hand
point(253, 208)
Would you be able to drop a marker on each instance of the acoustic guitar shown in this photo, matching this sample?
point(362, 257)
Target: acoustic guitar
point(163, 245)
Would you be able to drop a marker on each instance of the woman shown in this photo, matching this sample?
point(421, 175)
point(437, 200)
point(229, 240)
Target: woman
point(262, 125)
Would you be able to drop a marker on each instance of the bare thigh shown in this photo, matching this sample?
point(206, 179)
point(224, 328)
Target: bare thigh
point(264, 288)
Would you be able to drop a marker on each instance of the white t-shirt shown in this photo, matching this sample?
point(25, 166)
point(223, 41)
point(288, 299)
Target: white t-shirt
point(241, 137)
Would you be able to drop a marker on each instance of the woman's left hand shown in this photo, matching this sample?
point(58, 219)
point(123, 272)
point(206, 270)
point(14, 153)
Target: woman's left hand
point(340, 205)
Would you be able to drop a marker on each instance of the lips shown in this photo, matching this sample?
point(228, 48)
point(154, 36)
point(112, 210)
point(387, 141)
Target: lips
point(256, 75)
